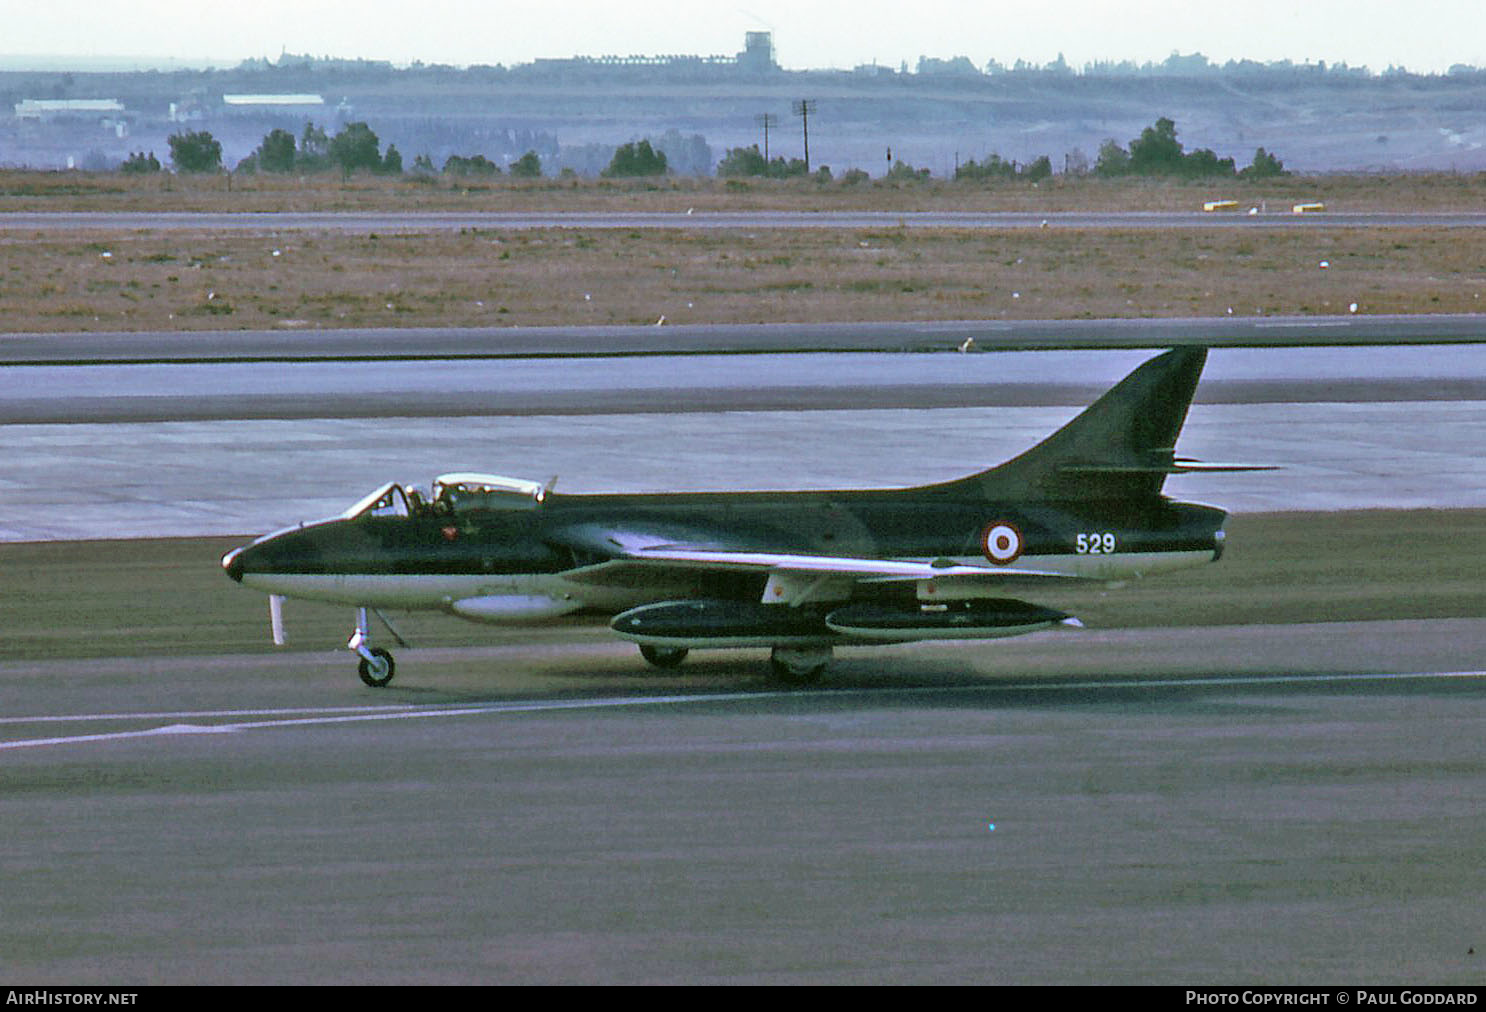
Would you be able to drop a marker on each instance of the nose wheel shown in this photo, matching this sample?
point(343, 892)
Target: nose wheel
point(796, 666)
point(377, 666)
point(378, 669)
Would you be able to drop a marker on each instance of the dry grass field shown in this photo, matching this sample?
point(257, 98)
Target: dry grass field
point(183, 281)
point(80, 191)
point(179, 280)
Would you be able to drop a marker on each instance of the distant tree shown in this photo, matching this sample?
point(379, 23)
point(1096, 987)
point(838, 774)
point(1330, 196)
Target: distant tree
point(140, 164)
point(822, 174)
point(1040, 169)
point(1264, 166)
point(1157, 152)
point(959, 66)
point(1113, 160)
point(314, 149)
point(276, 153)
point(1204, 162)
point(903, 172)
point(638, 159)
point(475, 165)
point(528, 166)
point(423, 165)
point(195, 151)
point(851, 177)
point(356, 147)
point(748, 162)
point(391, 162)
point(993, 167)
point(781, 169)
point(687, 155)
point(742, 162)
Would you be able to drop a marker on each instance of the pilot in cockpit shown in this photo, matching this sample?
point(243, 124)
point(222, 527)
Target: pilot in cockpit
point(416, 504)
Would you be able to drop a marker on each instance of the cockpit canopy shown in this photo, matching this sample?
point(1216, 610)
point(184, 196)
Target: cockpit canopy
point(387, 500)
point(459, 492)
point(466, 491)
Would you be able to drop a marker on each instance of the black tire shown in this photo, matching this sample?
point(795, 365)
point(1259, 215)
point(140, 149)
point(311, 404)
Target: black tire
point(796, 677)
point(663, 657)
point(369, 676)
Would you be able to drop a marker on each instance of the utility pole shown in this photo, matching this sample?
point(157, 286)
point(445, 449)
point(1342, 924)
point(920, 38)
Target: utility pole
point(766, 120)
point(803, 108)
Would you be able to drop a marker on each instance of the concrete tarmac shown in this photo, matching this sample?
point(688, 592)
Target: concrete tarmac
point(1262, 771)
point(1231, 805)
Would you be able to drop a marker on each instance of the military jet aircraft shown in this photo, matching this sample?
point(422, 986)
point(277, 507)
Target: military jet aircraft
point(797, 572)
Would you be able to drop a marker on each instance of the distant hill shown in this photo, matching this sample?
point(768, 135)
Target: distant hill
point(1316, 118)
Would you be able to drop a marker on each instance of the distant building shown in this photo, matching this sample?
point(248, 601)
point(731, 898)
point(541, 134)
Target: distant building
point(758, 53)
point(757, 58)
point(273, 103)
point(191, 109)
point(108, 113)
point(46, 110)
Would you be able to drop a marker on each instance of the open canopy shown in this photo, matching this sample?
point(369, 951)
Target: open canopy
point(459, 492)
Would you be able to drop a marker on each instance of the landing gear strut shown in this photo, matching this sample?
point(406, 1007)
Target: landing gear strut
point(796, 666)
point(377, 666)
point(663, 657)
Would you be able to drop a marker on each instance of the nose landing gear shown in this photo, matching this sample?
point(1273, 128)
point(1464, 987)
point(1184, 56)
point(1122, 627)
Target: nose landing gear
point(377, 666)
point(797, 666)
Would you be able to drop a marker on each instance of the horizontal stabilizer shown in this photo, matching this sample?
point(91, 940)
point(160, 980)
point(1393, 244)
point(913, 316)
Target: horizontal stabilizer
point(1161, 461)
point(1175, 467)
point(1203, 466)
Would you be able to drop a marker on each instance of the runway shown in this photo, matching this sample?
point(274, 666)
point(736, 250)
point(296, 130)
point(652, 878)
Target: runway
point(488, 343)
point(1263, 770)
point(422, 221)
point(210, 449)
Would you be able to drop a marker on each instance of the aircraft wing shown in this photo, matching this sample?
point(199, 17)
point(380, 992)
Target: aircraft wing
point(828, 565)
point(673, 549)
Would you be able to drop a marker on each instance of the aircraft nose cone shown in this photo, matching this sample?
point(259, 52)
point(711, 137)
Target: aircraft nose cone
point(232, 562)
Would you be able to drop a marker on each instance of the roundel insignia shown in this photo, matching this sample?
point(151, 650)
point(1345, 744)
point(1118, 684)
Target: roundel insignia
point(1002, 543)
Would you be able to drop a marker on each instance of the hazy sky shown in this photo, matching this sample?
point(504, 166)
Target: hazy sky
point(1423, 35)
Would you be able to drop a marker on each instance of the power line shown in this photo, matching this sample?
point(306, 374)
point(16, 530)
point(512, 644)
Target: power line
point(766, 120)
point(803, 108)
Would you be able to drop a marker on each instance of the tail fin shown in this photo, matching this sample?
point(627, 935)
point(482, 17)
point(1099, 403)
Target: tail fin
point(1120, 448)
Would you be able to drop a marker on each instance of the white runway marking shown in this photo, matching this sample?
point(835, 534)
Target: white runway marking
point(303, 717)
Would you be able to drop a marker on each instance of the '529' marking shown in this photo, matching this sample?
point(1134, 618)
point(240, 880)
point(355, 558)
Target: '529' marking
point(1095, 543)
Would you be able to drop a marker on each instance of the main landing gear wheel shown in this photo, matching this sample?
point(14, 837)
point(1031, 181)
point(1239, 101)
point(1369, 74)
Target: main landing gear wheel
point(663, 657)
point(795, 667)
point(377, 670)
